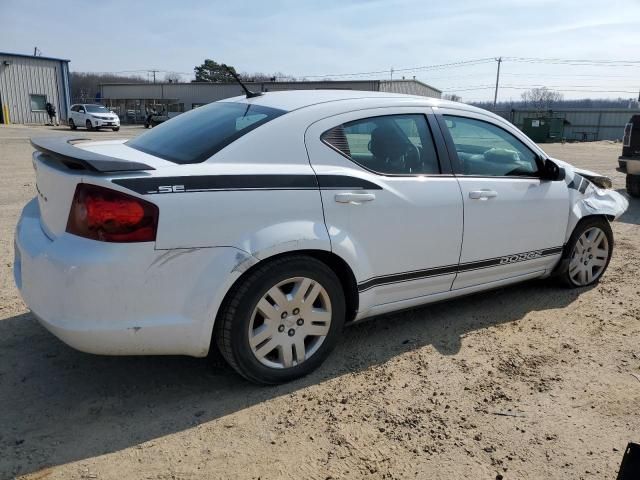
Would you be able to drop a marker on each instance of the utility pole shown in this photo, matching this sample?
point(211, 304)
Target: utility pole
point(154, 74)
point(392, 74)
point(495, 96)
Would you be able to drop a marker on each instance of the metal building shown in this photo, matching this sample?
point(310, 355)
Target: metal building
point(131, 100)
point(582, 124)
point(28, 83)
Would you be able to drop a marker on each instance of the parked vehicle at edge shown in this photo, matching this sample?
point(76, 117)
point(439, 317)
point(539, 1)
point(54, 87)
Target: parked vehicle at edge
point(261, 226)
point(629, 161)
point(93, 117)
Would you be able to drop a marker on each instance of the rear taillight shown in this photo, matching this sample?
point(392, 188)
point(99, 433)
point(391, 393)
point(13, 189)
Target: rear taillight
point(110, 216)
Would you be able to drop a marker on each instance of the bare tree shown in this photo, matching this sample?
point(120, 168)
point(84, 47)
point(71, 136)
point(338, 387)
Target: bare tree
point(85, 86)
point(541, 98)
point(266, 77)
point(256, 77)
point(172, 77)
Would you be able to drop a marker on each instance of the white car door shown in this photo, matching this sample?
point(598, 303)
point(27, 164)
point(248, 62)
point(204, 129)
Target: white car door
point(73, 114)
point(81, 116)
point(392, 208)
point(514, 222)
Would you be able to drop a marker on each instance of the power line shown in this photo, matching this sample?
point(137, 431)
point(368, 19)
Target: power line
point(534, 85)
point(566, 61)
point(526, 87)
point(465, 63)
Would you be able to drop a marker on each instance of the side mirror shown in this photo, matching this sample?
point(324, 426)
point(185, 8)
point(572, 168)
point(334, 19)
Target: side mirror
point(551, 171)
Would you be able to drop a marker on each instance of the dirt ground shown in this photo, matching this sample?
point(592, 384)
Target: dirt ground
point(528, 382)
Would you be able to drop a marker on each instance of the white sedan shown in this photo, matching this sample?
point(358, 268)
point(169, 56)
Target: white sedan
point(93, 117)
point(261, 226)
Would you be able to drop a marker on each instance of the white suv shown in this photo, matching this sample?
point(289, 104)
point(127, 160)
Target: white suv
point(263, 225)
point(93, 117)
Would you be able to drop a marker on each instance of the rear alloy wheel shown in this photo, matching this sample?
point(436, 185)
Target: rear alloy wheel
point(89, 125)
point(591, 246)
point(282, 321)
point(290, 323)
point(72, 124)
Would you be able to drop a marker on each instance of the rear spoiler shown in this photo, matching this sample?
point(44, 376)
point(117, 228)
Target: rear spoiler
point(63, 151)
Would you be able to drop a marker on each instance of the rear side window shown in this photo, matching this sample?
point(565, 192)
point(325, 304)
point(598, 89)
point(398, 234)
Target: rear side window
point(390, 145)
point(194, 136)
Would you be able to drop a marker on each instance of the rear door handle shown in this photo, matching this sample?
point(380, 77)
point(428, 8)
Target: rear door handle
point(355, 198)
point(482, 194)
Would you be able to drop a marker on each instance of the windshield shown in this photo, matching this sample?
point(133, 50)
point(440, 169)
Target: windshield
point(200, 133)
point(97, 109)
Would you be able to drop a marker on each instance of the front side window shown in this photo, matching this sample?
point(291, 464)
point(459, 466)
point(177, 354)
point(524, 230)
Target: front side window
point(38, 103)
point(198, 134)
point(390, 145)
point(487, 150)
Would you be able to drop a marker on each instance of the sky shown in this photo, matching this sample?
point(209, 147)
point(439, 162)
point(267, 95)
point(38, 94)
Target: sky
point(336, 37)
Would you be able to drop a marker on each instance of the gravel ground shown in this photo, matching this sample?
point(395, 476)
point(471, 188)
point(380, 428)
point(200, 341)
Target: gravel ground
point(532, 381)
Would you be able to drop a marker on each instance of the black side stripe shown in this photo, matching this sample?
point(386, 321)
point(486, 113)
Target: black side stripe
point(346, 182)
point(579, 183)
point(406, 277)
point(463, 267)
point(218, 183)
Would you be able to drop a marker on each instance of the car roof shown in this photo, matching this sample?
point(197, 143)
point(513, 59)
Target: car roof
point(290, 100)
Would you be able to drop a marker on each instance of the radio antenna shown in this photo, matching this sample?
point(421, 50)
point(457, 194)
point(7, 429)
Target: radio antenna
point(249, 93)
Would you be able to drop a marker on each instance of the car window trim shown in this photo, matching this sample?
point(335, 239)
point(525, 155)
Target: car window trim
point(453, 153)
point(440, 153)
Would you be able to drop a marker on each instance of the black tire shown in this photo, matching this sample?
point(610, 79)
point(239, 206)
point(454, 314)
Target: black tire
point(562, 273)
point(72, 124)
point(233, 321)
point(88, 125)
point(115, 129)
point(633, 185)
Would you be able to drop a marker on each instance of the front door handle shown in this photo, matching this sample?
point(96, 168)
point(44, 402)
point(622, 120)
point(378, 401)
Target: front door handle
point(354, 198)
point(482, 194)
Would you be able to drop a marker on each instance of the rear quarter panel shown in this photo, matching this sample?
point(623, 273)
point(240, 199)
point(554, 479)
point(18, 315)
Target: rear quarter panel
point(259, 221)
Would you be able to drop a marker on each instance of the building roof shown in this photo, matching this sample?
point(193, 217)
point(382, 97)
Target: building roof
point(412, 80)
point(21, 55)
point(285, 82)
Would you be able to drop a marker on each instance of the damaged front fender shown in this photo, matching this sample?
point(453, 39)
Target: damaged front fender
point(587, 198)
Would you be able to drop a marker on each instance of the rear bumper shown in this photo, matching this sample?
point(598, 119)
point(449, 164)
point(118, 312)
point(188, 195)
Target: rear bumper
point(632, 166)
point(121, 299)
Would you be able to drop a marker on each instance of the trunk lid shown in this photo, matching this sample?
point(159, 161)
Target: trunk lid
point(55, 186)
point(60, 166)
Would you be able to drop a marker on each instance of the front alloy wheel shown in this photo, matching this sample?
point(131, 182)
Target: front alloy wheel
point(281, 320)
point(590, 257)
point(587, 253)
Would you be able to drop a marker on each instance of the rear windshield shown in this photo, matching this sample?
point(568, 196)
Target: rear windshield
point(194, 136)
